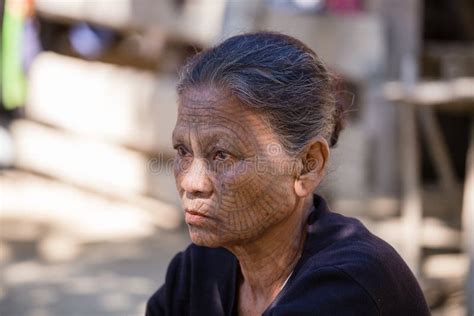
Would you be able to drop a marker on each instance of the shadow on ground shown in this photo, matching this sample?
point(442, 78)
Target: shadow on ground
point(107, 278)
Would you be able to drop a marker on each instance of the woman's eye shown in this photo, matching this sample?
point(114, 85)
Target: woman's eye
point(181, 151)
point(221, 155)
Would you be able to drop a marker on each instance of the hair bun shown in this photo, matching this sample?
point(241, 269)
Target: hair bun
point(343, 100)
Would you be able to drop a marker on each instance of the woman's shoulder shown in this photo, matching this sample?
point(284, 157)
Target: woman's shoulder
point(345, 242)
point(343, 250)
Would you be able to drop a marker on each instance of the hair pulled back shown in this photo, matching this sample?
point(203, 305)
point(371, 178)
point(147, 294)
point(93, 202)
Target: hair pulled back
point(277, 75)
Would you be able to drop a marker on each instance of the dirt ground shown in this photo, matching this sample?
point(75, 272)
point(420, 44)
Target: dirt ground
point(105, 279)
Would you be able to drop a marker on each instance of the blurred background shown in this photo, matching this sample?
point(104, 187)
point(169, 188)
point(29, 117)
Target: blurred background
point(89, 216)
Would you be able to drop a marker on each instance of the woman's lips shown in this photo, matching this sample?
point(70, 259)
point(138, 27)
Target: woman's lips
point(195, 218)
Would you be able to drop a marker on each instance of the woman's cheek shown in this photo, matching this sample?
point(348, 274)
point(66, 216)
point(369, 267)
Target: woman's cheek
point(240, 193)
point(238, 177)
point(260, 193)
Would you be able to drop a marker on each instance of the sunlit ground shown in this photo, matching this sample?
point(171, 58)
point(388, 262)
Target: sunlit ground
point(104, 278)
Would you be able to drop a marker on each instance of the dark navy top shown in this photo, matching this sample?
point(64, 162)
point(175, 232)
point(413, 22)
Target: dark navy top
point(344, 270)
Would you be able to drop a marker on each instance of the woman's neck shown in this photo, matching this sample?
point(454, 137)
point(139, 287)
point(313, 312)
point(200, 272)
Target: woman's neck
point(267, 262)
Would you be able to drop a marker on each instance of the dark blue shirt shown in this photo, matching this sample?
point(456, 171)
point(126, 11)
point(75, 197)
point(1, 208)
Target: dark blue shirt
point(344, 270)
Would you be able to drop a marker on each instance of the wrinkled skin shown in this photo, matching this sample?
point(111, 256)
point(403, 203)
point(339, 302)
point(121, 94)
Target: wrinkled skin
point(230, 168)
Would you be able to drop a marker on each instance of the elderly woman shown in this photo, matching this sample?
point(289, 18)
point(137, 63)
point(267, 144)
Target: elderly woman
point(256, 120)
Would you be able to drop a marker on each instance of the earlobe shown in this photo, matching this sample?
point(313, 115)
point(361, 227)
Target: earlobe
point(307, 183)
point(301, 188)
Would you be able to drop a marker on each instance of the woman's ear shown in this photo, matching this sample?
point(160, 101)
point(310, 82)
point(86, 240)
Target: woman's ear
point(314, 159)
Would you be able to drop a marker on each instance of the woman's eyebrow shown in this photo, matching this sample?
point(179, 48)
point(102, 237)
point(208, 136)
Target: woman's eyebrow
point(180, 135)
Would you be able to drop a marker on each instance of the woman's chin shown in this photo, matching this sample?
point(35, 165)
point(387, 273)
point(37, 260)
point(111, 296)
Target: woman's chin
point(204, 238)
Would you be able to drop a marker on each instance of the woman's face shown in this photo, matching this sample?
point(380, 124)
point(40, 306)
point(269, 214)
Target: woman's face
point(233, 177)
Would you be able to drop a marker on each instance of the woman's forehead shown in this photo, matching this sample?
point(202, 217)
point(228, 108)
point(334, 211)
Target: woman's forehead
point(211, 106)
point(200, 101)
point(213, 113)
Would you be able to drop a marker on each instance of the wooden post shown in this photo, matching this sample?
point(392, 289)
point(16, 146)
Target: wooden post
point(403, 30)
point(412, 213)
point(412, 208)
point(468, 222)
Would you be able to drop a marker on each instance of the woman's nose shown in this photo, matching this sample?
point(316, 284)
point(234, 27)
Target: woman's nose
point(196, 182)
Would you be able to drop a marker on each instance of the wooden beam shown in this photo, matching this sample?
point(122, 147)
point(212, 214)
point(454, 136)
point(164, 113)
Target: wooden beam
point(452, 94)
point(98, 166)
point(117, 104)
point(83, 215)
point(468, 221)
point(197, 21)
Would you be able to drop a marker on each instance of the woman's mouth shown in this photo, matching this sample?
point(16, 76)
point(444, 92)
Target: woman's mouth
point(193, 217)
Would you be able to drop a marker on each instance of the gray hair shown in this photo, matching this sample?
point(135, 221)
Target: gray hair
point(277, 75)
